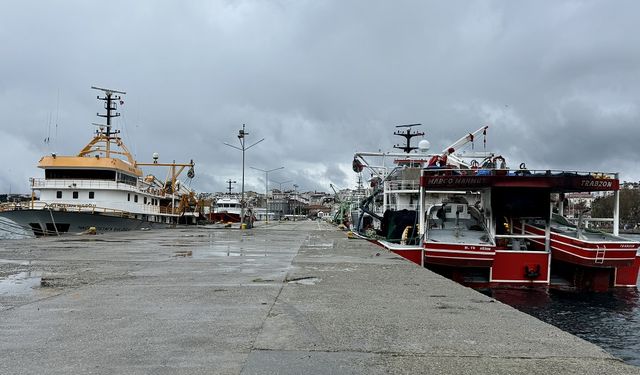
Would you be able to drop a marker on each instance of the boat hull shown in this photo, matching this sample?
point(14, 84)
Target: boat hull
point(45, 222)
point(458, 255)
point(601, 254)
point(225, 217)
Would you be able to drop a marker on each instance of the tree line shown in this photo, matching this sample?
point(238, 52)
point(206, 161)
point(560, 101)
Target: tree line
point(629, 207)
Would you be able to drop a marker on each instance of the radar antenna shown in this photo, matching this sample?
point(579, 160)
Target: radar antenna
point(408, 134)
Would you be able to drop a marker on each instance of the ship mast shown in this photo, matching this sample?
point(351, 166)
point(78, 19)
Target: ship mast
point(110, 106)
point(229, 182)
point(407, 148)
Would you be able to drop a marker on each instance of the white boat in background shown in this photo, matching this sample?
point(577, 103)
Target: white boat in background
point(103, 187)
point(227, 209)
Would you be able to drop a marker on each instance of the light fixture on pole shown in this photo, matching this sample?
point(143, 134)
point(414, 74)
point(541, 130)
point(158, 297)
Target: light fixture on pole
point(281, 183)
point(241, 137)
point(266, 188)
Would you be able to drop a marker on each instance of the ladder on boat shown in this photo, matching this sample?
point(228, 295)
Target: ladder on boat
point(600, 255)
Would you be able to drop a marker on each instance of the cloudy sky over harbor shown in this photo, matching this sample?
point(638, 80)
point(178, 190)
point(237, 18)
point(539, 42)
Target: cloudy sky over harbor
point(558, 82)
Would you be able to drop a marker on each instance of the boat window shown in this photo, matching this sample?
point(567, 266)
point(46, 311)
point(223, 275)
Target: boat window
point(135, 198)
point(79, 174)
point(75, 195)
point(92, 194)
point(127, 179)
point(129, 197)
point(58, 194)
point(145, 200)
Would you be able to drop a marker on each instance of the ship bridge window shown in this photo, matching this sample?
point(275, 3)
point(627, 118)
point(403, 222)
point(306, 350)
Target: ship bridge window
point(127, 179)
point(79, 174)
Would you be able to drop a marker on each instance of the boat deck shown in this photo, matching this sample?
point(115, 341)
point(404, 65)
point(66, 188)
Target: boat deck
point(459, 235)
point(586, 235)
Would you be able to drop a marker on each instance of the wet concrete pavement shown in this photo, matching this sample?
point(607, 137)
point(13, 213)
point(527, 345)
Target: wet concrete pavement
point(288, 298)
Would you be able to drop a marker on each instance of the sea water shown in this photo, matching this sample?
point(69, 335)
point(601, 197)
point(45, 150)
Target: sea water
point(610, 320)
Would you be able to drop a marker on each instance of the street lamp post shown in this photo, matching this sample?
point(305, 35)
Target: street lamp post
point(241, 137)
point(281, 183)
point(266, 188)
point(295, 197)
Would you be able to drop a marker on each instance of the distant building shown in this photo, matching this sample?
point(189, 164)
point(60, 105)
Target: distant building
point(577, 203)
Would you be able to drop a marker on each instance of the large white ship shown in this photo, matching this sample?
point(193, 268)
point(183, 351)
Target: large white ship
point(103, 187)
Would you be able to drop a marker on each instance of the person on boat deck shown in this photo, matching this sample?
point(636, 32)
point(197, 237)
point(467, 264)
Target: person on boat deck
point(440, 214)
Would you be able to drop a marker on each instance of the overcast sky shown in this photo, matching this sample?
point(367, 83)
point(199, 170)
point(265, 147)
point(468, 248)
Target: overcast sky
point(558, 82)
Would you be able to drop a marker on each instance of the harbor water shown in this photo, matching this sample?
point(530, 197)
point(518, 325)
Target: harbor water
point(609, 320)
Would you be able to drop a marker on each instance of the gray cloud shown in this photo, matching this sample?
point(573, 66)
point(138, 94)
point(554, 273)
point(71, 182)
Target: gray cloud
point(558, 82)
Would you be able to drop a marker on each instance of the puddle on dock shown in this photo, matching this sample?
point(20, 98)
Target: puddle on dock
point(20, 284)
point(304, 280)
point(19, 262)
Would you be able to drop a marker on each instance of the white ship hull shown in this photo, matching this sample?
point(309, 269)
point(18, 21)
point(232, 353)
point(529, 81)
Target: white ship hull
point(45, 222)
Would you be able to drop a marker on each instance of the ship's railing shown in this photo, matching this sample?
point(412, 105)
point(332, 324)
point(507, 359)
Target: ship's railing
point(402, 185)
point(41, 183)
point(516, 172)
point(516, 241)
point(87, 208)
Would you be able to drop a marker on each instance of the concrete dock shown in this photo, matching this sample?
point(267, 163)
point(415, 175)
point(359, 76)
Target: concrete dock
point(287, 298)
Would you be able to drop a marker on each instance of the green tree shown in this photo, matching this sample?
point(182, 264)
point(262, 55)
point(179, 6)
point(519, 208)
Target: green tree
point(629, 207)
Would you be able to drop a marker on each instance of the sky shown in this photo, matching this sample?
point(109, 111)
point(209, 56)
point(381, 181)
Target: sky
point(558, 83)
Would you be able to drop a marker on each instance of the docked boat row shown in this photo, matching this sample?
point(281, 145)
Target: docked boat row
point(468, 216)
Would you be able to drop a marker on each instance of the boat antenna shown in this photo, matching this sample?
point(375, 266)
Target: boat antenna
point(110, 106)
point(408, 135)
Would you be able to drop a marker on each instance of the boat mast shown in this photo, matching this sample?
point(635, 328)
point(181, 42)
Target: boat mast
point(229, 182)
point(110, 106)
point(407, 148)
